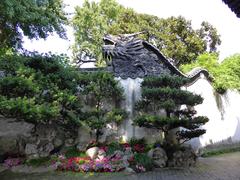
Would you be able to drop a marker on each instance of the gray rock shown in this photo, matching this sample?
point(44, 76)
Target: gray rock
point(81, 147)
point(46, 132)
point(158, 156)
point(12, 128)
point(57, 142)
point(83, 138)
point(13, 133)
point(183, 158)
point(31, 151)
point(69, 142)
point(46, 149)
point(129, 170)
point(8, 145)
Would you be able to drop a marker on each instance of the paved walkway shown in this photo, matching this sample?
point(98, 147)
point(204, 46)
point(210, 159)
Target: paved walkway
point(223, 167)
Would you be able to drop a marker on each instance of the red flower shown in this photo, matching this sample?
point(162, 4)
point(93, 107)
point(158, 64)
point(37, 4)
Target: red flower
point(126, 145)
point(139, 148)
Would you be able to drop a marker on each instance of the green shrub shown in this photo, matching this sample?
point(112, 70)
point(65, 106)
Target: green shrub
point(40, 89)
point(73, 152)
point(159, 93)
point(112, 147)
point(39, 161)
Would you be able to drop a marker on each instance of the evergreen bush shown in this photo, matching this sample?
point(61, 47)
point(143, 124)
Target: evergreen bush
point(165, 93)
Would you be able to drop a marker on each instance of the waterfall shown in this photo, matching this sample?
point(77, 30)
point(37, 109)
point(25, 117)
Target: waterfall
point(132, 93)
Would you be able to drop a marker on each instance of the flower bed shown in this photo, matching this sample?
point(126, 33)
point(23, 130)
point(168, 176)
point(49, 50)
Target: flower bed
point(113, 157)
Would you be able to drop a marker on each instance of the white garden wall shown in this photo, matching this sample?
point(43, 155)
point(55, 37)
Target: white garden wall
point(223, 112)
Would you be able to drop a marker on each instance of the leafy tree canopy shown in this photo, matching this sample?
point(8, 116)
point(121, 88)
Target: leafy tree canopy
point(174, 36)
point(32, 18)
point(226, 74)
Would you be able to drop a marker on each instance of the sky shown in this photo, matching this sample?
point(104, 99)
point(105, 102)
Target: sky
point(214, 11)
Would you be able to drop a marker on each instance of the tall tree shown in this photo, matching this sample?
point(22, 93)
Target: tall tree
point(174, 36)
point(90, 23)
point(32, 18)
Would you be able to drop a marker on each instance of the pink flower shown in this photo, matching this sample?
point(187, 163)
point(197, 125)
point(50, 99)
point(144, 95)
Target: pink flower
point(140, 168)
point(10, 162)
point(104, 148)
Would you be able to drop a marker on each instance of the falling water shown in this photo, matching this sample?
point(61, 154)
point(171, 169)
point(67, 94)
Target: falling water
point(132, 93)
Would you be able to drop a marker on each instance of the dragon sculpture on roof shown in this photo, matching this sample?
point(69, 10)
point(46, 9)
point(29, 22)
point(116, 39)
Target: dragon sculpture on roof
point(131, 57)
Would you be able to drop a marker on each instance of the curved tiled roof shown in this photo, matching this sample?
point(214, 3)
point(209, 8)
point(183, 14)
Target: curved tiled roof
point(234, 5)
point(192, 75)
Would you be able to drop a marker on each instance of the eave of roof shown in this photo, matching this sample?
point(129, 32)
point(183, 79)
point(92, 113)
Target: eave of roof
point(234, 5)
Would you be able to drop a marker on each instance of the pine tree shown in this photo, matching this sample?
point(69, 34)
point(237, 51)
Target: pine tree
point(102, 93)
point(164, 93)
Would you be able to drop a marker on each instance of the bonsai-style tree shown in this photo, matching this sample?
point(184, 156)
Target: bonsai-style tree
point(102, 94)
point(166, 107)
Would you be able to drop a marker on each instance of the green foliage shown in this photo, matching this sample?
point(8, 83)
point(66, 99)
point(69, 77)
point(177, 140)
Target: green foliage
point(73, 152)
point(159, 93)
point(39, 161)
point(90, 24)
point(116, 115)
point(144, 160)
point(167, 93)
point(112, 147)
point(164, 92)
point(101, 92)
point(17, 86)
point(28, 109)
point(167, 81)
point(167, 123)
point(39, 89)
point(226, 74)
point(32, 18)
point(93, 20)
